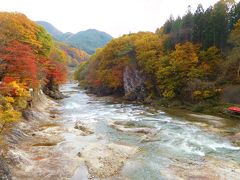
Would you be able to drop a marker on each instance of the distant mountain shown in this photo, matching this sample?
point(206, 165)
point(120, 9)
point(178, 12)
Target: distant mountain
point(50, 29)
point(64, 36)
point(88, 40)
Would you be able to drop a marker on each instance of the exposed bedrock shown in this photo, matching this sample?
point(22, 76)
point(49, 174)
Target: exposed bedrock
point(133, 81)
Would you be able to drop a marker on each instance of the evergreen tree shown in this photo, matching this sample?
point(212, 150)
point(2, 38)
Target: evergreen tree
point(199, 24)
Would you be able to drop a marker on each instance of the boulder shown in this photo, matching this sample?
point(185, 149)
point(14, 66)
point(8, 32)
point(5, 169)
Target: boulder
point(85, 131)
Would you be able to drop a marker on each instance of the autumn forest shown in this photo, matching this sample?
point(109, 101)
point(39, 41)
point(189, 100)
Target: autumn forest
point(163, 104)
point(190, 59)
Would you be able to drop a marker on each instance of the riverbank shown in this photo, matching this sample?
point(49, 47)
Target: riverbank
point(34, 118)
point(214, 108)
point(38, 144)
point(89, 137)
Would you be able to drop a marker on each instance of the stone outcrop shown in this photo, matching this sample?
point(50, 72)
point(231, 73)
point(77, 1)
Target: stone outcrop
point(5, 173)
point(53, 91)
point(132, 127)
point(134, 88)
point(11, 156)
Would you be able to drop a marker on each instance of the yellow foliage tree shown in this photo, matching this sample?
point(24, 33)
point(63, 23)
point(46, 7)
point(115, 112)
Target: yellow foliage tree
point(177, 69)
point(13, 99)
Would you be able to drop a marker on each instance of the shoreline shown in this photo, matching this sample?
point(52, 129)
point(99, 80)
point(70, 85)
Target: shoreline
point(213, 110)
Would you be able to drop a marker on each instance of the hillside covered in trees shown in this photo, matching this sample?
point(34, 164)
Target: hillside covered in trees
point(191, 59)
point(88, 40)
point(73, 56)
point(29, 61)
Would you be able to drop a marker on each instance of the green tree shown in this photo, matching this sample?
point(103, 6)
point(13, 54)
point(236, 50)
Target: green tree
point(220, 25)
point(233, 61)
point(199, 25)
point(187, 26)
point(234, 16)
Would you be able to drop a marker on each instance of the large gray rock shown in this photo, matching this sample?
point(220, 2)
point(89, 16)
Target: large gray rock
point(133, 79)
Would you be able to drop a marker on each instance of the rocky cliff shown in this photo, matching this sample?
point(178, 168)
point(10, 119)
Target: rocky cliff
point(134, 88)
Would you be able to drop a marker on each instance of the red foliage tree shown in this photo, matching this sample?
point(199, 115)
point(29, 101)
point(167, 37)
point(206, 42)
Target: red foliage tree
point(20, 62)
point(53, 71)
point(57, 72)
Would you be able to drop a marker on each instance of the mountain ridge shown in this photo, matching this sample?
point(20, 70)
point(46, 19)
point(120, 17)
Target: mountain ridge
point(88, 40)
point(50, 28)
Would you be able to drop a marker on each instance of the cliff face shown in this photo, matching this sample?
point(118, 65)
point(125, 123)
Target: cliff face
point(134, 88)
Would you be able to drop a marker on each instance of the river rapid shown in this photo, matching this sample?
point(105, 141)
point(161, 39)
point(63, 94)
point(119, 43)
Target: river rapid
point(119, 140)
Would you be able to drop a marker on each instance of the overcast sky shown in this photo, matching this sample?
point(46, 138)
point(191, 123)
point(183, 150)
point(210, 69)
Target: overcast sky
point(115, 17)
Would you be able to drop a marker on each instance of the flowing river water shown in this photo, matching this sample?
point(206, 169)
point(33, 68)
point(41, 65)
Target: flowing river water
point(128, 141)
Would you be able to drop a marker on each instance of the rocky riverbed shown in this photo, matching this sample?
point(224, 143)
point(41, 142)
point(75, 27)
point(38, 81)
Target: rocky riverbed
point(87, 137)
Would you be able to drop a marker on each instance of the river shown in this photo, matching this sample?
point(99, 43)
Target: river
point(179, 145)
